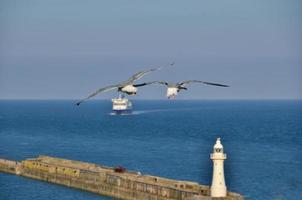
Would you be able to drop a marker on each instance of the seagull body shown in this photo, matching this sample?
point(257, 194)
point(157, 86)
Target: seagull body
point(174, 88)
point(129, 87)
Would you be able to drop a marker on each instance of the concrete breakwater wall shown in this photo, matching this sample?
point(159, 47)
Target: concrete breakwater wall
point(107, 181)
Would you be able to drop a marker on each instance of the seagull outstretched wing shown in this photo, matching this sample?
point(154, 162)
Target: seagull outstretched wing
point(152, 82)
point(105, 89)
point(140, 74)
point(204, 82)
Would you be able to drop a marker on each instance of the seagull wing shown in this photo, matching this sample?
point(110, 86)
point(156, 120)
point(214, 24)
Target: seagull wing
point(140, 74)
point(149, 83)
point(204, 82)
point(105, 89)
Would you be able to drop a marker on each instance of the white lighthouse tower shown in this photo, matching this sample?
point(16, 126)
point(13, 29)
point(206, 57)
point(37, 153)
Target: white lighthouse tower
point(218, 188)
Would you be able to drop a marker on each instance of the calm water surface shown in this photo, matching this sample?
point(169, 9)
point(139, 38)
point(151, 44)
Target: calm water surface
point(263, 141)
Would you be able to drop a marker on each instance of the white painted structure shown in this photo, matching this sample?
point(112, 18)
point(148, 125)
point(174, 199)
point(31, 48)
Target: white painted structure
point(218, 188)
point(121, 105)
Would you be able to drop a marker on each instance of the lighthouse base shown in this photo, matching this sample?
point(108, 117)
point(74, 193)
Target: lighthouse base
point(217, 191)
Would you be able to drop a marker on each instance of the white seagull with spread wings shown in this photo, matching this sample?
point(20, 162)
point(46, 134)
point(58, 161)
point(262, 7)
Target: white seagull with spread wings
point(174, 88)
point(129, 87)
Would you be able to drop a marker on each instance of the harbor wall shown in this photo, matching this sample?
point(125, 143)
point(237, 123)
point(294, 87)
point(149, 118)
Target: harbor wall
point(9, 166)
point(104, 181)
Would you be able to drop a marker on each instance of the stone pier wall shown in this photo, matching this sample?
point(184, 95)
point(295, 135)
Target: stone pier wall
point(9, 166)
point(105, 181)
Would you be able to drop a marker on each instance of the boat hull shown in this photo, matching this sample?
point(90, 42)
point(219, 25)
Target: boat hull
point(120, 112)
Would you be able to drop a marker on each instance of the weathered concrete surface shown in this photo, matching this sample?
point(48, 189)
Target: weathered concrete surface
point(11, 167)
point(105, 181)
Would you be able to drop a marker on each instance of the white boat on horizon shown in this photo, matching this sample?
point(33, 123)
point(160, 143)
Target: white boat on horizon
point(121, 105)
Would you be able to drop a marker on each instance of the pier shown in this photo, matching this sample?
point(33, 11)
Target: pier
point(107, 181)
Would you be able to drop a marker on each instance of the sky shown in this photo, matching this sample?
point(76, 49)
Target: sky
point(66, 49)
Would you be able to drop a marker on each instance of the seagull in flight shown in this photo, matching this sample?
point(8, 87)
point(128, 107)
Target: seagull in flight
point(129, 87)
point(174, 88)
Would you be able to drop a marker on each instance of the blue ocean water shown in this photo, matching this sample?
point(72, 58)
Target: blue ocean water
point(174, 139)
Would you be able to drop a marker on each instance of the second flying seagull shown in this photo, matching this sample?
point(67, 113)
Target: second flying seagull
point(174, 88)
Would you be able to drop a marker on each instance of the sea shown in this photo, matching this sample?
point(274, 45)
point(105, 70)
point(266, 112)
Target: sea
point(172, 139)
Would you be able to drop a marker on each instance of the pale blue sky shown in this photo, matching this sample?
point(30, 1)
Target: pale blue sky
point(65, 49)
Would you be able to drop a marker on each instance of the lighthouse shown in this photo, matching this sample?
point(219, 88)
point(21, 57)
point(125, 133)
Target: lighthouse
point(218, 188)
